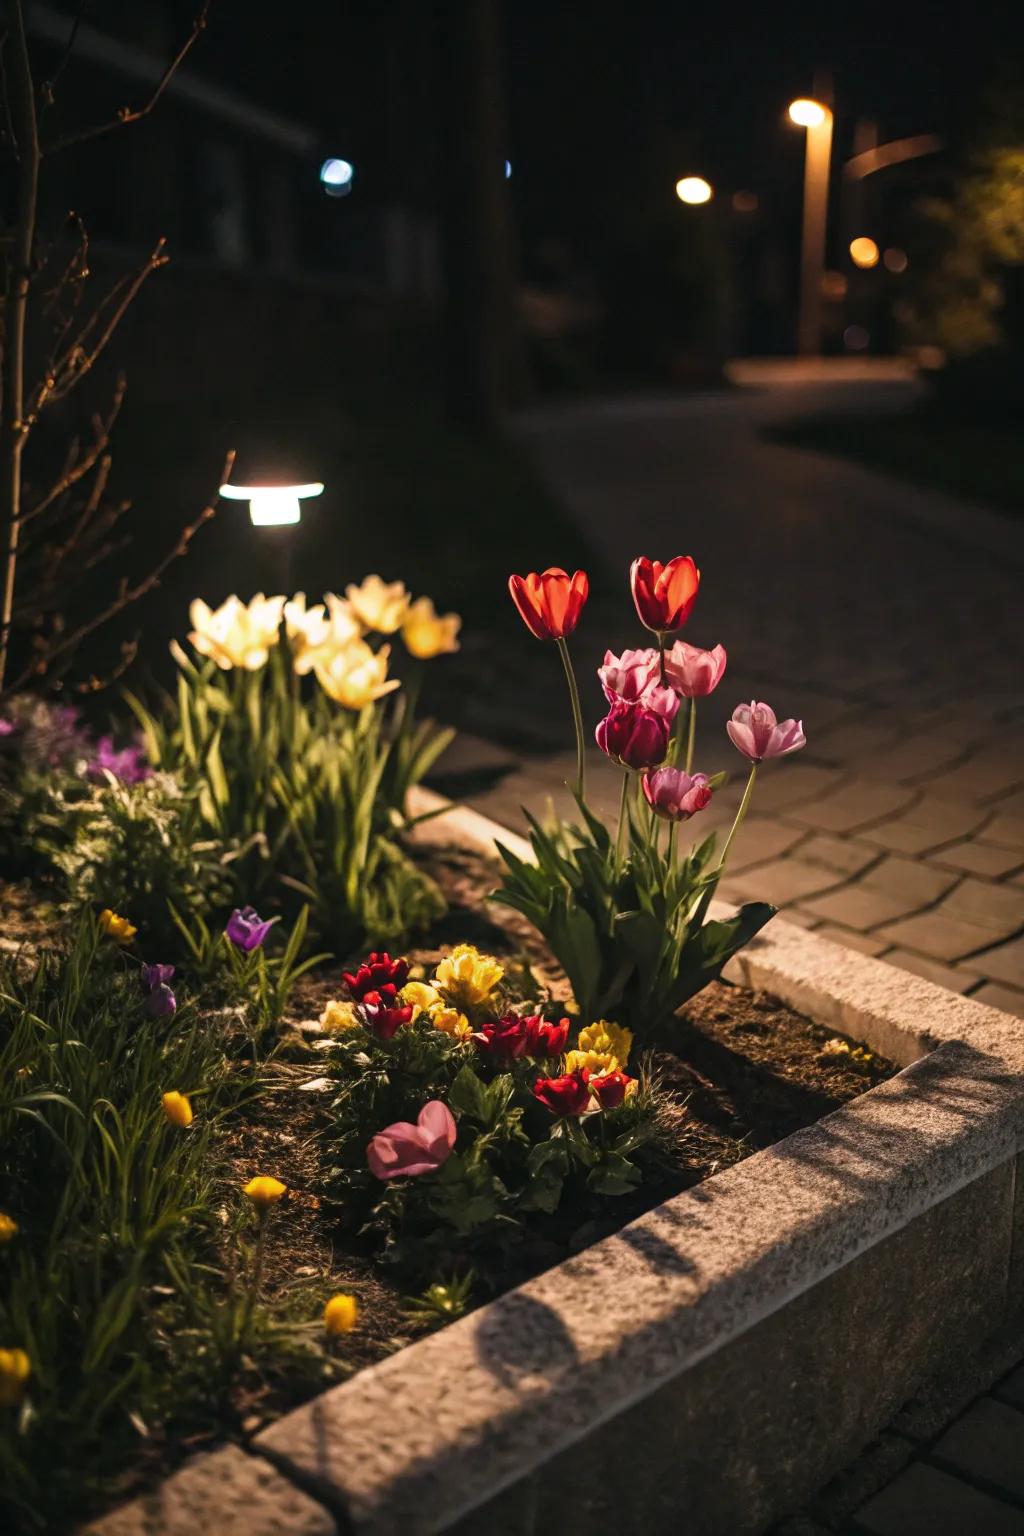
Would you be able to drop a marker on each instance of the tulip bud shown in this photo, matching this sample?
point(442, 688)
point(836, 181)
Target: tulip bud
point(635, 736)
point(341, 1315)
point(177, 1109)
point(264, 1191)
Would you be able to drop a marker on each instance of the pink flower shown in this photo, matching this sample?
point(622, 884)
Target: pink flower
point(629, 675)
point(409, 1149)
point(693, 672)
point(754, 731)
point(635, 736)
point(675, 795)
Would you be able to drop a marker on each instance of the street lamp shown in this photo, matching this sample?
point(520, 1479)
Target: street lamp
point(816, 119)
point(694, 190)
point(271, 506)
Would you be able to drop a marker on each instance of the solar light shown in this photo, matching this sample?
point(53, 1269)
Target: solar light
point(336, 177)
point(271, 506)
point(694, 189)
point(806, 113)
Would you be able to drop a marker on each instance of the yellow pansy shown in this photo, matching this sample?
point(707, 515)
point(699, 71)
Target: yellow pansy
point(355, 675)
point(316, 633)
point(597, 1063)
point(8, 1227)
point(467, 977)
point(115, 927)
point(379, 605)
point(608, 1038)
point(264, 1191)
point(341, 1314)
point(451, 1021)
point(177, 1109)
point(237, 634)
point(422, 996)
point(338, 1016)
point(15, 1370)
point(427, 633)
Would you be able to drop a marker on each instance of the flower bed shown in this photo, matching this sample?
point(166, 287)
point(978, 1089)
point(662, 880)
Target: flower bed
point(238, 1174)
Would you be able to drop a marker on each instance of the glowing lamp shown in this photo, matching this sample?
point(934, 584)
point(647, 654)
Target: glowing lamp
point(864, 252)
point(693, 189)
point(337, 176)
point(806, 113)
point(271, 506)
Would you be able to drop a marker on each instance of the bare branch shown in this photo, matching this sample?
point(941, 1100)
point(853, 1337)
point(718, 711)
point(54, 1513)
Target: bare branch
point(76, 468)
point(82, 353)
point(94, 684)
point(48, 87)
point(128, 115)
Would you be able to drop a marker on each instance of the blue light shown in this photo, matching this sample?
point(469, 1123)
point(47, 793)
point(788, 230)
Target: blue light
point(508, 170)
point(336, 177)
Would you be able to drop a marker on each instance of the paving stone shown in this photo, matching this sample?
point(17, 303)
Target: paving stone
point(760, 839)
point(931, 970)
point(226, 1491)
point(940, 936)
point(851, 744)
point(979, 901)
point(1011, 1388)
point(987, 1444)
point(801, 918)
point(1006, 963)
point(860, 804)
point(781, 881)
point(924, 1501)
point(909, 877)
point(866, 943)
point(794, 784)
point(980, 858)
point(1005, 828)
point(874, 1468)
point(1009, 999)
point(930, 822)
point(860, 907)
point(984, 775)
point(842, 854)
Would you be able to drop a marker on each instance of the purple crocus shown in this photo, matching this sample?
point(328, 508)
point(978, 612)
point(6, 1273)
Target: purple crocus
point(128, 764)
point(156, 979)
point(156, 976)
point(246, 929)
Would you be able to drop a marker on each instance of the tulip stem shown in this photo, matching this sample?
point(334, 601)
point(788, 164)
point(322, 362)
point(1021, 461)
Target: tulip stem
point(577, 714)
point(744, 803)
point(623, 821)
point(670, 857)
point(661, 658)
point(691, 735)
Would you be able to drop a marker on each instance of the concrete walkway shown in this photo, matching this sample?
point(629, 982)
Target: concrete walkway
point(888, 618)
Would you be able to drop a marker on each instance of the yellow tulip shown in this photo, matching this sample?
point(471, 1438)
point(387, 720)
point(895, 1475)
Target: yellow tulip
point(609, 1039)
point(237, 634)
point(597, 1063)
point(177, 1109)
point(356, 675)
point(427, 633)
point(15, 1370)
point(115, 927)
point(341, 1314)
point(264, 1191)
point(8, 1227)
point(315, 633)
point(379, 605)
point(338, 1016)
point(467, 977)
point(422, 996)
point(451, 1021)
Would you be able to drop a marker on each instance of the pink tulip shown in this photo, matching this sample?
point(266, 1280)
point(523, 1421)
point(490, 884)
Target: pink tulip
point(633, 735)
point(692, 672)
point(409, 1149)
point(629, 676)
point(754, 731)
point(674, 795)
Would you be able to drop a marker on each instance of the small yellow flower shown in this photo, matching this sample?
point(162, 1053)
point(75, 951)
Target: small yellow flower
point(177, 1109)
point(315, 634)
point(597, 1063)
point(610, 1039)
point(422, 996)
point(467, 977)
point(264, 1191)
point(451, 1021)
point(237, 634)
point(379, 605)
point(355, 675)
point(115, 927)
point(15, 1370)
point(338, 1016)
point(8, 1227)
point(341, 1314)
point(428, 633)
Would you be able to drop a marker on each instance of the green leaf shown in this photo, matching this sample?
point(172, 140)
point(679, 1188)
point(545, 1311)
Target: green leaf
point(708, 950)
point(613, 1175)
point(547, 1167)
point(469, 1096)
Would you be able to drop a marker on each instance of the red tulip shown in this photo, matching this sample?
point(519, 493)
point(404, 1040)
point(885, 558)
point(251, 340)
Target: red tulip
point(550, 604)
point(635, 736)
point(567, 1096)
point(547, 1039)
point(376, 971)
point(505, 1039)
point(664, 594)
point(380, 1014)
point(610, 1088)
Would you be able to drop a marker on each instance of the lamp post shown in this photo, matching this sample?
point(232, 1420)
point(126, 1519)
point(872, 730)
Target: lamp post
point(275, 506)
point(816, 119)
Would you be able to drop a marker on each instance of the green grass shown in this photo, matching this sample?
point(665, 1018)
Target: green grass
point(981, 461)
